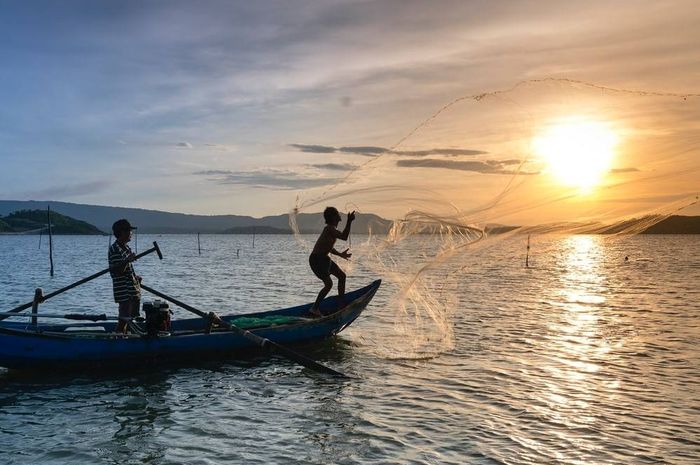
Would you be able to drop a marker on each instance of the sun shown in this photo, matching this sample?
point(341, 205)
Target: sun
point(578, 152)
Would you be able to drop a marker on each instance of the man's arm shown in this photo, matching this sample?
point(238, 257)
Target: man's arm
point(119, 261)
point(346, 231)
point(344, 254)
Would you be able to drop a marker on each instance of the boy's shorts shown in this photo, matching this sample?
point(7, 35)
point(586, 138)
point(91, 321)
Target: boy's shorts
point(129, 309)
point(322, 266)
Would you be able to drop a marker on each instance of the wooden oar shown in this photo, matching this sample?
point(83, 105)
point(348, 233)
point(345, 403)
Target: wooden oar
point(66, 316)
point(155, 249)
point(262, 342)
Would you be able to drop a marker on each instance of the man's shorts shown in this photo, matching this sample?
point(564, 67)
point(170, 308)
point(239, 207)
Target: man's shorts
point(323, 266)
point(129, 309)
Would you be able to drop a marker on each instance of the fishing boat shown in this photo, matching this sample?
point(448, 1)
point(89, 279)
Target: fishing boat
point(28, 346)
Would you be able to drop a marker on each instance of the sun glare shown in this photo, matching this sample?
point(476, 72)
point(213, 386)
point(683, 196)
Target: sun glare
point(577, 152)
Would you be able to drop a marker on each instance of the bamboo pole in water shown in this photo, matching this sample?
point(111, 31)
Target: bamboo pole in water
point(48, 214)
point(38, 298)
point(527, 252)
point(199, 248)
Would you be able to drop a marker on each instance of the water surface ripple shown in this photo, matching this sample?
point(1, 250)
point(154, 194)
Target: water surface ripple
point(581, 358)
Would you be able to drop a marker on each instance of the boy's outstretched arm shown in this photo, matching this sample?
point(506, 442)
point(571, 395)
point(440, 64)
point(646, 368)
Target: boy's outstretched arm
point(344, 254)
point(346, 232)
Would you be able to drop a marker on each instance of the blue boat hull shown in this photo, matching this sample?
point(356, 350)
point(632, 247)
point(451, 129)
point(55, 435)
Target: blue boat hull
point(25, 347)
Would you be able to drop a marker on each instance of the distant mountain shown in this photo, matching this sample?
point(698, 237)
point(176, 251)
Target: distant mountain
point(36, 221)
point(256, 230)
point(154, 221)
point(676, 224)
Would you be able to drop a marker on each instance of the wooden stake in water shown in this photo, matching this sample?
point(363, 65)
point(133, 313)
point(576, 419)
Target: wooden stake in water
point(41, 233)
point(199, 248)
point(527, 253)
point(38, 298)
point(253, 236)
point(48, 214)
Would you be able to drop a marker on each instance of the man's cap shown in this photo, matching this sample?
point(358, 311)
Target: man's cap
point(122, 225)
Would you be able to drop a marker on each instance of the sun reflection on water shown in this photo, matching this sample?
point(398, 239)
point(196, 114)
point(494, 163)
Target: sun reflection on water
point(582, 287)
point(575, 351)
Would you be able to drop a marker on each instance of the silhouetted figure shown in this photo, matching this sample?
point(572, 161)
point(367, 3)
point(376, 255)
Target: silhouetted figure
point(126, 283)
point(320, 261)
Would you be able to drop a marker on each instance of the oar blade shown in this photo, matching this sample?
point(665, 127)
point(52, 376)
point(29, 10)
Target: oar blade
point(305, 361)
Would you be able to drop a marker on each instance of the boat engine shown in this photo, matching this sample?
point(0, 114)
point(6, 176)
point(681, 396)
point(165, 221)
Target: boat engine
point(157, 318)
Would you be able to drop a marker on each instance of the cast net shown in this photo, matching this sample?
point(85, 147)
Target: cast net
point(550, 156)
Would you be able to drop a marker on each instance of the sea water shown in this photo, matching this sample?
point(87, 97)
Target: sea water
point(582, 357)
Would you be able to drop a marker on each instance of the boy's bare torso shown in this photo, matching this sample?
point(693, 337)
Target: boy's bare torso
point(326, 241)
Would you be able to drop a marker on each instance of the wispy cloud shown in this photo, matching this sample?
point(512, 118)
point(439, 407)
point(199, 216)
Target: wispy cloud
point(373, 151)
point(367, 151)
point(334, 166)
point(484, 167)
point(184, 145)
point(221, 147)
point(445, 152)
point(69, 190)
point(280, 179)
point(213, 172)
point(624, 170)
point(314, 148)
point(651, 198)
point(509, 162)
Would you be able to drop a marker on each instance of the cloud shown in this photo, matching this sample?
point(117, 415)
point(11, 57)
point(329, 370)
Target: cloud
point(221, 147)
point(624, 170)
point(372, 151)
point(314, 148)
point(510, 161)
point(184, 145)
point(279, 179)
point(70, 190)
point(335, 166)
point(369, 151)
point(213, 172)
point(651, 198)
point(446, 152)
point(484, 167)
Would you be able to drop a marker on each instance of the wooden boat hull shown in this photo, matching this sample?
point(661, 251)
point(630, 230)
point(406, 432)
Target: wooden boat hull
point(23, 346)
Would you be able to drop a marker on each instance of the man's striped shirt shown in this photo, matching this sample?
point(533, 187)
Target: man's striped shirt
point(126, 285)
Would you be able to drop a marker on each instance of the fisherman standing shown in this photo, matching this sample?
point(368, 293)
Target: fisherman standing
point(320, 261)
point(125, 281)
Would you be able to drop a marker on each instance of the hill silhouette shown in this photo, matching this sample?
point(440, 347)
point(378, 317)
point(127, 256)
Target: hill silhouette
point(160, 222)
point(676, 224)
point(155, 221)
point(36, 221)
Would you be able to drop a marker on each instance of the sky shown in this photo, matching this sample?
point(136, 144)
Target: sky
point(233, 107)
